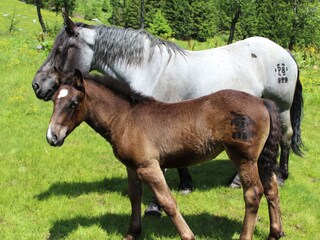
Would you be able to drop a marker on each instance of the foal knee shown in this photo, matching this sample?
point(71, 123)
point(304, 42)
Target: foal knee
point(169, 206)
point(252, 198)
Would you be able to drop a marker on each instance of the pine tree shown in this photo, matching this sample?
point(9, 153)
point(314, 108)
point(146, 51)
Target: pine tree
point(132, 14)
point(204, 20)
point(179, 15)
point(160, 26)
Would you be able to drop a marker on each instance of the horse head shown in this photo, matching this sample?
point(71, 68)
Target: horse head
point(72, 49)
point(69, 110)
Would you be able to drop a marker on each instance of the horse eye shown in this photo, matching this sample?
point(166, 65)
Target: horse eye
point(59, 50)
point(74, 104)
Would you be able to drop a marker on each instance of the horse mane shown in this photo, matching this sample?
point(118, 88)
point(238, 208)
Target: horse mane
point(120, 88)
point(128, 45)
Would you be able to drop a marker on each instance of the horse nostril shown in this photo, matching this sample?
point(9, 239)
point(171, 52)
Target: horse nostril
point(35, 86)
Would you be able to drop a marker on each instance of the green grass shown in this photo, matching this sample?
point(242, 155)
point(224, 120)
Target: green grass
point(79, 191)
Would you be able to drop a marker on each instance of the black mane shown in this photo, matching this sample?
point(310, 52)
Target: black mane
point(121, 88)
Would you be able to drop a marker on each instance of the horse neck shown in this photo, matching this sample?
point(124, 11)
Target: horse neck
point(129, 60)
point(105, 109)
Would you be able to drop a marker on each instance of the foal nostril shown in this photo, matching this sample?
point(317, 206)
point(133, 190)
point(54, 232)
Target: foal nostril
point(54, 138)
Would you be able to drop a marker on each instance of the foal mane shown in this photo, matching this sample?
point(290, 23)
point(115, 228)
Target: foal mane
point(120, 88)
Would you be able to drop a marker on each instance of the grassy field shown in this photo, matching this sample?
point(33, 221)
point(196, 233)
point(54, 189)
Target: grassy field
point(79, 191)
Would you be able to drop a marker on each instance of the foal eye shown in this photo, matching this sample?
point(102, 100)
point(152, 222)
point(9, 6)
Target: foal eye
point(74, 104)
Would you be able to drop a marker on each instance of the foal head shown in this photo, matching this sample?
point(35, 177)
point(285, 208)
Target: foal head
point(69, 108)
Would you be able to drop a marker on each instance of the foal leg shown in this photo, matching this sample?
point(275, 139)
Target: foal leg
point(270, 186)
point(185, 187)
point(154, 178)
point(135, 193)
point(252, 191)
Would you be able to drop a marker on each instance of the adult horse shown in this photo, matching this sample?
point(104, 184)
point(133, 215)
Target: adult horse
point(168, 73)
point(147, 135)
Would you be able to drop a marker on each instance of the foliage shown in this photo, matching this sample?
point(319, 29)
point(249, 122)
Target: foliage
point(290, 23)
point(159, 26)
point(204, 20)
point(92, 11)
point(132, 14)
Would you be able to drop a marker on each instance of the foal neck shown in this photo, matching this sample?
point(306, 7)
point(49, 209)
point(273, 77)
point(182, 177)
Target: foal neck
point(105, 109)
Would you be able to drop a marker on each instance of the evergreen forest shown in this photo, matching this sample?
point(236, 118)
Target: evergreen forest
point(290, 23)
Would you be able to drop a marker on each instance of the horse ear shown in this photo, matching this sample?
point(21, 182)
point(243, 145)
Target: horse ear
point(78, 79)
point(71, 27)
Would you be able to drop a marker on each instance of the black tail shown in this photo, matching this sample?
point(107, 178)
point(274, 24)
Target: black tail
point(268, 158)
point(296, 117)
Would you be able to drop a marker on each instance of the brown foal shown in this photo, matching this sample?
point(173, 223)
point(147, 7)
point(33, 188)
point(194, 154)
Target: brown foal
point(147, 135)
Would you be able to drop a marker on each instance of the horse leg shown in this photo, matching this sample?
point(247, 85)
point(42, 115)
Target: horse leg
point(154, 178)
point(185, 185)
point(285, 145)
point(271, 192)
point(252, 191)
point(235, 181)
point(135, 194)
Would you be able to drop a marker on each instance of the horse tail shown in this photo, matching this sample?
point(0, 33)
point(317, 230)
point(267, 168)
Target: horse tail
point(296, 117)
point(267, 162)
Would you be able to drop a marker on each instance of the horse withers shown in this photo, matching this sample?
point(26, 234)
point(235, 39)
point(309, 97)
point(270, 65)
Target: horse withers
point(147, 135)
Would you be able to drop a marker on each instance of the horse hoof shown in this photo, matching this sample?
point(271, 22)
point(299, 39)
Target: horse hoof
point(236, 183)
point(153, 210)
point(185, 191)
point(280, 181)
point(185, 188)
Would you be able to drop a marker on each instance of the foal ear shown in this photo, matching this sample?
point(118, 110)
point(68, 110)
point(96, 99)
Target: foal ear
point(71, 27)
point(78, 79)
point(61, 75)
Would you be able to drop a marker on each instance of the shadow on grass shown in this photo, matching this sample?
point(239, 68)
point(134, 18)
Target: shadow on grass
point(203, 225)
point(75, 189)
point(206, 176)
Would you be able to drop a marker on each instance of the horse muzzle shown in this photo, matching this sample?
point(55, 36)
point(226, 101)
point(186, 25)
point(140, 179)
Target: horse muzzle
point(44, 85)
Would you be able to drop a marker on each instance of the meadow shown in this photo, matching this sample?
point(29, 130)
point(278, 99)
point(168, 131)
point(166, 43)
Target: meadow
point(79, 191)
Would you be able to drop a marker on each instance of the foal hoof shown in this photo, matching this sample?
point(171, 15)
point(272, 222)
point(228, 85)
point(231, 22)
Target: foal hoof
point(153, 210)
point(236, 183)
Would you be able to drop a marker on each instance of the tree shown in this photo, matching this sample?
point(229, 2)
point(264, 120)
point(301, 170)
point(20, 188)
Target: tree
point(204, 20)
point(39, 6)
point(179, 15)
point(117, 17)
point(235, 18)
point(305, 29)
point(132, 16)
point(160, 26)
point(142, 14)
